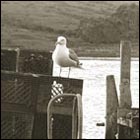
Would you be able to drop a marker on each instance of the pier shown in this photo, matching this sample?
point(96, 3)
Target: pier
point(122, 121)
point(37, 105)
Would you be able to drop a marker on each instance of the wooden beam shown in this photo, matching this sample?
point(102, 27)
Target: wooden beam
point(125, 94)
point(111, 108)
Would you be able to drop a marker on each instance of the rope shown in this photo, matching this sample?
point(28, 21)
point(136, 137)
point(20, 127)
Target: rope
point(74, 116)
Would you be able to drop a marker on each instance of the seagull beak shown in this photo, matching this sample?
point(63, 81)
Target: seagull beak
point(57, 43)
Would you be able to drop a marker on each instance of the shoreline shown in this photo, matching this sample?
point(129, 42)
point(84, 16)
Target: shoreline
point(106, 58)
point(86, 56)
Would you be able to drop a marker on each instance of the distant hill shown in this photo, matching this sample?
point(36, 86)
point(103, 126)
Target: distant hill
point(123, 24)
point(36, 24)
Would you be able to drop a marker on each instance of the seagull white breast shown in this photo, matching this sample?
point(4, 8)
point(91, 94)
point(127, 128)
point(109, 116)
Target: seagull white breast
point(61, 57)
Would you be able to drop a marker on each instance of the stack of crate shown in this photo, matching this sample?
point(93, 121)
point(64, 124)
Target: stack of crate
point(27, 84)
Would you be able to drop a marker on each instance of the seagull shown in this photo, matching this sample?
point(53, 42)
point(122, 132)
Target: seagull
point(63, 56)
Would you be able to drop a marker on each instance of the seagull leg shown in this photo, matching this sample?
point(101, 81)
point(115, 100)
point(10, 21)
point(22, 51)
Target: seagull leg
point(60, 72)
point(69, 72)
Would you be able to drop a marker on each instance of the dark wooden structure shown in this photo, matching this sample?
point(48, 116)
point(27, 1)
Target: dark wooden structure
point(26, 89)
point(26, 61)
point(10, 59)
point(111, 108)
point(122, 120)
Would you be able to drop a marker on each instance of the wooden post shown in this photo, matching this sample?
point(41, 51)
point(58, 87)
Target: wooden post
point(17, 59)
point(125, 94)
point(111, 108)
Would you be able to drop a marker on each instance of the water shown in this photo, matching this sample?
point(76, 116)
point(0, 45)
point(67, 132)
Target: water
point(94, 90)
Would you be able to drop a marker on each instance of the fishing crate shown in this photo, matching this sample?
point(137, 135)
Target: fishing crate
point(18, 105)
point(24, 100)
point(26, 61)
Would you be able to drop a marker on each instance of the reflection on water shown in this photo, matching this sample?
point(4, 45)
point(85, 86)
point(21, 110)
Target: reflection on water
point(94, 90)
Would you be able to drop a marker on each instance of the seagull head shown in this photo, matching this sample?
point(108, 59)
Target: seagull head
point(61, 40)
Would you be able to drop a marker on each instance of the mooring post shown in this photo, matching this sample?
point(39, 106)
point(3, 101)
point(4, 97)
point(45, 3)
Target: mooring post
point(125, 94)
point(111, 108)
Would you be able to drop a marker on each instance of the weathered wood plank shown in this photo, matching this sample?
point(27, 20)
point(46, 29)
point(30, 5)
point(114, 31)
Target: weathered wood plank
point(111, 108)
point(125, 94)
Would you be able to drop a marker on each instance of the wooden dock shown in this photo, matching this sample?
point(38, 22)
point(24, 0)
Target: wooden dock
point(122, 120)
point(28, 87)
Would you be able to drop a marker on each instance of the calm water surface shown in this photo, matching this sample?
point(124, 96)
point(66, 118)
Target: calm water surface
point(94, 90)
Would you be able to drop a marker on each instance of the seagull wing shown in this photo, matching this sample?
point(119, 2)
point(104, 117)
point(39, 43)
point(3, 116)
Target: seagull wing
point(73, 56)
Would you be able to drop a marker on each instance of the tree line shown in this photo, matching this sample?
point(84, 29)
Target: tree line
point(123, 24)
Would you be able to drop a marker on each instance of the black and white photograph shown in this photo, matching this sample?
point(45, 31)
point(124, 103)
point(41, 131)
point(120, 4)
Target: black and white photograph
point(69, 69)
